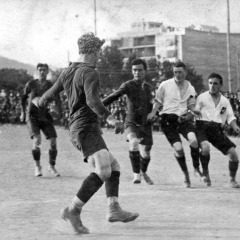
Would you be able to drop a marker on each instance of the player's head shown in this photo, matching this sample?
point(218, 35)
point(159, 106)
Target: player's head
point(42, 69)
point(179, 71)
point(88, 44)
point(215, 83)
point(139, 68)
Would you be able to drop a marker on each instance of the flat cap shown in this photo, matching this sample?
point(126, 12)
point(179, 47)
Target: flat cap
point(88, 43)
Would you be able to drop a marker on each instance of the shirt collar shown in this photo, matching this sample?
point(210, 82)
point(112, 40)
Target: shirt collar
point(81, 64)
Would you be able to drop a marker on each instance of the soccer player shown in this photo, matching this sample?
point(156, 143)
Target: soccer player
point(137, 127)
point(177, 96)
point(215, 111)
point(40, 119)
point(81, 84)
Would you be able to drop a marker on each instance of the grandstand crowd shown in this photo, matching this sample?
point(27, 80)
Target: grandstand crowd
point(10, 109)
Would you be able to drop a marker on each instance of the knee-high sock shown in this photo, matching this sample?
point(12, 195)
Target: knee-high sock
point(52, 157)
point(195, 157)
point(205, 161)
point(89, 186)
point(112, 184)
point(182, 163)
point(135, 161)
point(233, 167)
point(36, 153)
point(144, 162)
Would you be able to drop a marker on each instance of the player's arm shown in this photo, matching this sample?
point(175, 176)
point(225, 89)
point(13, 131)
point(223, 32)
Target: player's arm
point(115, 95)
point(24, 98)
point(50, 94)
point(193, 105)
point(231, 119)
point(157, 103)
point(91, 89)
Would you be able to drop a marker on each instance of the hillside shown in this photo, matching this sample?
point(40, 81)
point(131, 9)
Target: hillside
point(9, 63)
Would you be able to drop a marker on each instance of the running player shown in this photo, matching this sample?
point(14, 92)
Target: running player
point(137, 127)
point(81, 84)
point(215, 111)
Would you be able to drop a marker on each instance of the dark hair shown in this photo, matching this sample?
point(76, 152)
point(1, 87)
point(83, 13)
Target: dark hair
point(180, 64)
point(42, 65)
point(216, 75)
point(138, 62)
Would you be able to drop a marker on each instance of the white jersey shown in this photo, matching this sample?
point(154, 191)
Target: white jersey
point(169, 96)
point(221, 113)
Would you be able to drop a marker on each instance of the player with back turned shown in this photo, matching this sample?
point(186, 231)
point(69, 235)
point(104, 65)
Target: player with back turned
point(81, 84)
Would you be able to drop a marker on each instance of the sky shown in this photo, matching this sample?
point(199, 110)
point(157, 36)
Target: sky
point(33, 31)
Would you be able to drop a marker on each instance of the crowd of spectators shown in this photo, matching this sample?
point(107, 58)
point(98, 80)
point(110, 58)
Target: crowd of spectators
point(10, 109)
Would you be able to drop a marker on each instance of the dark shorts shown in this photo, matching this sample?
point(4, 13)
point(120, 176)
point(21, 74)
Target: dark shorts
point(213, 133)
point(88, 141)
point(143, 132)
point(172, 128)
point(47, 127)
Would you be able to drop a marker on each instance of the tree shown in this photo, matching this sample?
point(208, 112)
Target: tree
point(13, 79)
point(110, 67)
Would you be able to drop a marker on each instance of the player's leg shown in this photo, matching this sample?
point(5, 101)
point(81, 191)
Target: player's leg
point(36, 153)
point(134, 156)
point(233, 167)
point(180, 156)
point(195, 154)
point(50, 133)
point(34, 132)
point(91, 184)
point(145, 158)
point(187, 129)
point(115, 212)
point(170, 127)
point(52, 156)
point(227, 147)
point(205, 159)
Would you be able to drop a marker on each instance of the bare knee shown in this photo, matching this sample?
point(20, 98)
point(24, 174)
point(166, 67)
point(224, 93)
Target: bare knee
point(192, 140)
point(100, 160)
point(232, 154)
point(37, 141)
point(205, 148)
point(178, 149)
point(145, 150)
point(134, 144)
point(114, 163)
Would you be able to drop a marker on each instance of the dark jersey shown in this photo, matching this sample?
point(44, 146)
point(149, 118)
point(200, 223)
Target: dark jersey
point(35, 89)
point(139, 98)
point(81, 84)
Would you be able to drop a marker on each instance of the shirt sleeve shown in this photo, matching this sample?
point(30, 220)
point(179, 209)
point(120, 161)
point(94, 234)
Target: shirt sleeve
point(114, 96)
point(92, 92)
point(198, 103)
point(160, 94)
point(230, 114)
point(192, 98)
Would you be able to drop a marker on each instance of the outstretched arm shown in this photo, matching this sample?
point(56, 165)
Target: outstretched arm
point(91, 89)
point(152, 115)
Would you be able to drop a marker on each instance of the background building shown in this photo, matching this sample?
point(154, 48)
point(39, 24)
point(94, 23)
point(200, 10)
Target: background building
point(202, 46)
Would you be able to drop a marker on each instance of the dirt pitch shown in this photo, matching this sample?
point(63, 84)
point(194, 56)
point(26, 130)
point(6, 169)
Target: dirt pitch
point(29, 206)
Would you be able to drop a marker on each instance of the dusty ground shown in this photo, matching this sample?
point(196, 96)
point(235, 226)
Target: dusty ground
point(30, 206)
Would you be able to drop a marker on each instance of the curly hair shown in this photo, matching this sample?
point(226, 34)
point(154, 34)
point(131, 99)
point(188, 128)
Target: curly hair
point(88, 43)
